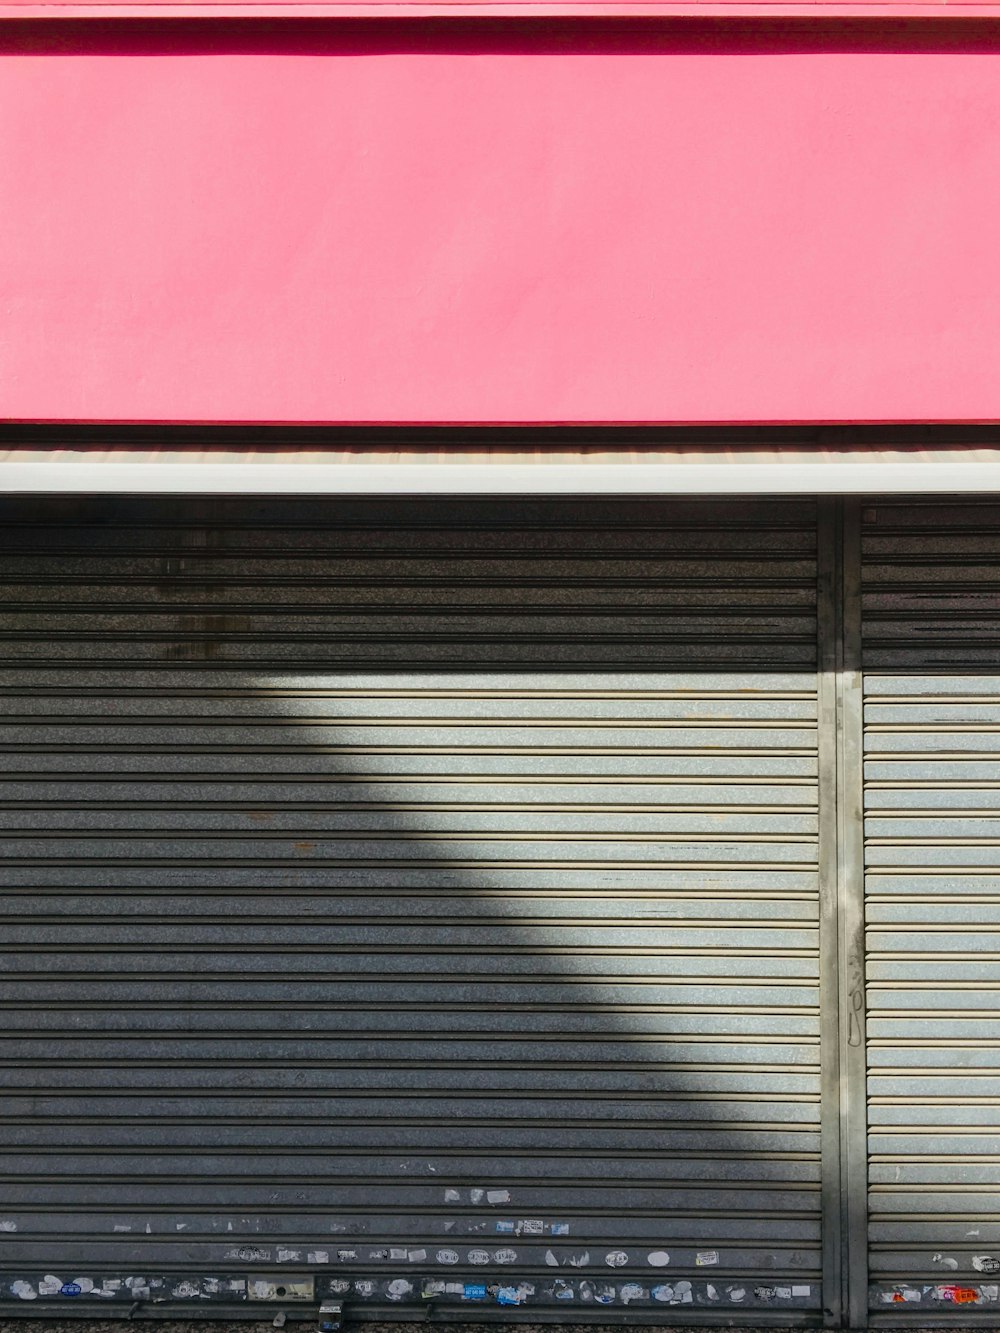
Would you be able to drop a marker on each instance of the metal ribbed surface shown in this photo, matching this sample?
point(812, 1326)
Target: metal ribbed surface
point(932, 742)
point(415, 895)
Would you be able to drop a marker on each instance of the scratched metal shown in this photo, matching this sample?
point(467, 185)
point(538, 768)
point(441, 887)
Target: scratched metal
point(431, 874)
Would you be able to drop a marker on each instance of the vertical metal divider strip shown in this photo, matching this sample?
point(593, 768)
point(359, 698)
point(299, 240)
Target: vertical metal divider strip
point(841, 871)
point(851, 905)
point(829, 656)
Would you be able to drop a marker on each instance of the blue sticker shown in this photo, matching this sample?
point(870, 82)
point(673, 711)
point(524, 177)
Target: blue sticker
point(506, 1226)
point(508, 1296)
point(560, 1228)
point(70, 1289)
point(472, 1291)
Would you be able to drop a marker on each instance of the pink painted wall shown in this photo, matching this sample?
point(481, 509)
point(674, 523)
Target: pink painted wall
point(500, 221)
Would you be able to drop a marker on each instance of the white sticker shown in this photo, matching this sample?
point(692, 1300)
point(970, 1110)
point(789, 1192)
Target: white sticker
point(318, 1256)
point(736, 1294)
point(447, 1256)
point(397, 1254)
point(664, 1292)
point(802, 1291)
point(49, 1285)
point(498, 1196)
point(84, 1283)
point(531, 1226)
point(398, 1288)
point(452, 1196)
point(658, 1258)
point(24, 1290)
point(616, 1259)
point(704, 1257)
point(505, 1256)
point(631, 1291)
point(551, 1259)
point(293, 1256)
point(476, 1196)
point(364, 1286)
point(417, 1256)
point(783, 1293)
point(121, 1226)
point(7, 1225)
point(945, 1260)
point(579, 1260)
point(479, 1256)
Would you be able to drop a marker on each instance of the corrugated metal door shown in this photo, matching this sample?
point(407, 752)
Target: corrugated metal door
point(932, 774)
point(412, 901)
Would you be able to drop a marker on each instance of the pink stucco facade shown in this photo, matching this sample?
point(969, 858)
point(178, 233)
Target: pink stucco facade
point(483, 220)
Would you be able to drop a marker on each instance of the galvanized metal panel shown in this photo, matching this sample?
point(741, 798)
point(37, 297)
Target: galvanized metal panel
point(932, 742)
point(419, 896)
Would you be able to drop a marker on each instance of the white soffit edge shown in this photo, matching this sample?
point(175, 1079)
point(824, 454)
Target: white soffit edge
point(497, 471)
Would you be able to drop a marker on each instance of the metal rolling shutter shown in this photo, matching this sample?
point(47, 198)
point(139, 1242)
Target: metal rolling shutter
point(414, 898)
point(932, 742)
